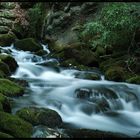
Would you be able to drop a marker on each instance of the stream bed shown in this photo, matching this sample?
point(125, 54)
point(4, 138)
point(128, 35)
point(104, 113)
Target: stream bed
point(92, 104)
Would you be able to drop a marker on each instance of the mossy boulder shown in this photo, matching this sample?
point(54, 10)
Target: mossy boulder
point(15, 126)
point(134, 80)
point(4, 69)
point(10, 89)
point(42, 116)
point(100, 51)
point(80, 52)
point(89, 76)
point(10, 61)
point(4, 135)
point(1, 107)
point(2, 75)
point(5, 103)
point(28, 44)
point(7, 39)
point(115, 73)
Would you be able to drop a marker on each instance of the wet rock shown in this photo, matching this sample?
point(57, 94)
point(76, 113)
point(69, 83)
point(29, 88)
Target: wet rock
point(41, 53)
point(4, 69)
point(7, 14)
point(50, 63)
point(10, 61)
point(10, 89)
point(7, 5)
point(28, 44)
point(83, 93)
point(115, 74)
point(4, 29)
point(20, 82)
point(6, 39)
point(5, 102)
point(4, 135)
point(36, 116)
point(87, 133)
point(15, 126)
point(102, 104)
point(45, 132)
point(89, 76)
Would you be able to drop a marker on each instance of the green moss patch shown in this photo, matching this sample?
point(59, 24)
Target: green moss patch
point(10, 61)
point(28, 44)
point(6, 39)
point(10, 89)
point(134, 80)
point(15, 126)
point(42, 116)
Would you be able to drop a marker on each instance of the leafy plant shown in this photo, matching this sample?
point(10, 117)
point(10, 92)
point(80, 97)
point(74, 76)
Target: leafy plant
point(114, 26)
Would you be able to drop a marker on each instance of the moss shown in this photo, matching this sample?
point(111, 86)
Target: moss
point(41, 52)
point(15, 126)
point(89, 76)
point(134, 80)
point(100, 51)
point(10, 61)
point(38, 116)
point(4, 135)
point(2, 75)
point(28, 44)
point(6, 39)
point(10, 89)
point(5, 103)
point(115, 73)
point(69, 63)
point(1, 107)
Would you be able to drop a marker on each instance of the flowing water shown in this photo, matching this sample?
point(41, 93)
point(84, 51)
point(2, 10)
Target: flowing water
point(99, 104)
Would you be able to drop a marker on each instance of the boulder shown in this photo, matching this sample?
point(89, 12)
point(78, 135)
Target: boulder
point(28, 44)
point(81, 53)
point(115, 73)
point(10, 61)
point(4, 69)
point(15, 126)
point(40, 116)
point(5, 102)
point(88, 76)
point(7, 39)
point(10, 89)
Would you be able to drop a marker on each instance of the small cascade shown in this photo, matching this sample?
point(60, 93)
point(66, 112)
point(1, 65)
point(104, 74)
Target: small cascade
point(84, 103)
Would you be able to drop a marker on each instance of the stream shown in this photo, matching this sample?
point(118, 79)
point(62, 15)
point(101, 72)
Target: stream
point(93, 104)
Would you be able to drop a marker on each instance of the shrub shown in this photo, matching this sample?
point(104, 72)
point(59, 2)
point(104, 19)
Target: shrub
point(115, 25)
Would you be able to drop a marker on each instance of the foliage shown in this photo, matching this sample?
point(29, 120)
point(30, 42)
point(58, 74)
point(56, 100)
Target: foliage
point(36, 16)
point(114, 26)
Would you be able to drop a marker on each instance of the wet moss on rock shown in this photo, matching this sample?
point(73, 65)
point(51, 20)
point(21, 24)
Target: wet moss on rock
point(42, 116)
point(10, 89)
point(9, 61)
point(134, 80)
point(5, 103)
point(28, 44)
point(4, 135)
point(15, 126)
point(7, 39)
point(115, 74)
